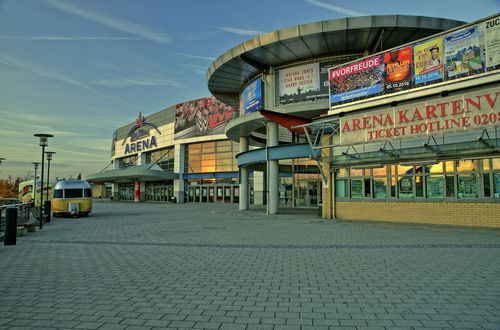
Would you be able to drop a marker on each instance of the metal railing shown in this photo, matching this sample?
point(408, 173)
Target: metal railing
point(23, 211)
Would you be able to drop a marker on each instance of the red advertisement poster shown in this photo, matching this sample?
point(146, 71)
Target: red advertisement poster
point(398, 65)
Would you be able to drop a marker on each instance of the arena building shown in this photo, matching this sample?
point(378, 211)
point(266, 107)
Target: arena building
point(276, 130)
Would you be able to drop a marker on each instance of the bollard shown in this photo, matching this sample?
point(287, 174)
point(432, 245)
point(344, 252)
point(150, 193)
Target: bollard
point(47, 210)
point(10, 226)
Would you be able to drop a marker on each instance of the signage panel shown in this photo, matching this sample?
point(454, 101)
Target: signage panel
point(251, 97)
point(463, 53)
point(492, 43)
point(206, 116)
point(299, 83)
point(476, 110)
point(357, 81)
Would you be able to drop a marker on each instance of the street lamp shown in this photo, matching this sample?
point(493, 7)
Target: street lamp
point(1, 160)
point(34, 183)
point(49, 158)
point(44, 141)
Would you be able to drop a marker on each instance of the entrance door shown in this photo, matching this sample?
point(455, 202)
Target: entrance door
point(219, 194)
point(211, 194)
point(227, 194)
point(197, 194)
point(190, 194)
point(236, 194)
point(204, 194)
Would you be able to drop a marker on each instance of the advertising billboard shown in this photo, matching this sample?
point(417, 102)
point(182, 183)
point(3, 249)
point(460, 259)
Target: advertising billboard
point(492, 43)
point(398, 64)
point(463, 53)
point(357, 81)
point(428, 62)
point(206, 116)
point(251, 97)
point(299, 83)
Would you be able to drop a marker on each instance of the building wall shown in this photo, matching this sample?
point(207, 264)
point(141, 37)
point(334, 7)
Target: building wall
point(460, 214)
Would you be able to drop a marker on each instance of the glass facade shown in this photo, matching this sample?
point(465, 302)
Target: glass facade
point(163, 158)
point(455, 179)
point(213, 156)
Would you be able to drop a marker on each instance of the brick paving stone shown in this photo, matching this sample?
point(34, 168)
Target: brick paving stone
point(190, 265)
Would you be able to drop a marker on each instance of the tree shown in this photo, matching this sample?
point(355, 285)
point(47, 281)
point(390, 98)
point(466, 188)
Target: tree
point(7, 189)
point(79, 176)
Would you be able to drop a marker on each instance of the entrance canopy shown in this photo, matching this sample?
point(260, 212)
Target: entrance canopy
point(145, 172)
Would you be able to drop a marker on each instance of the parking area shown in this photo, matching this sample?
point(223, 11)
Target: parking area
point(210, 266)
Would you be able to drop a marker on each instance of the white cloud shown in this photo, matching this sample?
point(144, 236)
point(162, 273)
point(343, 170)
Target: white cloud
point(241, 32)
point(338, 9)
point(197, 56)
point(115, 23)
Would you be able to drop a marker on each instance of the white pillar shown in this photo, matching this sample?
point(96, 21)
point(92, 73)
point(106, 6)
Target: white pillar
point(244, 188)
point(272, 171)
point(179, 167)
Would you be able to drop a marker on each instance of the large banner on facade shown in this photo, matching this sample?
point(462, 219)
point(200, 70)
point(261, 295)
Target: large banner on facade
point(398, 65)
point(463, 53)
point(357, 81)
point(492, 43)
point(429, 63)
point(251, 97)
point(470, 111)
point(206, 116)
point(299, 83)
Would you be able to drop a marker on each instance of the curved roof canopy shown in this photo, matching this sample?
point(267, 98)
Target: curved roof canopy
point(354, 35)
point(146, 172)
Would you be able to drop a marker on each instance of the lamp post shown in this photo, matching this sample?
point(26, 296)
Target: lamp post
point(49, 158)
point(44, 141)
point(34, 183)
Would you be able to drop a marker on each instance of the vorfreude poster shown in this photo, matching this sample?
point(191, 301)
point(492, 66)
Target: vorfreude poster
point(299, 83)
point(428, 62)
point(206, 116)
point(357, 80)
point(491, 30)
point(463, 53)
point(398, 64)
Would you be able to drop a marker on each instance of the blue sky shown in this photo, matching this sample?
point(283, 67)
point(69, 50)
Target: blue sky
point(80, 69)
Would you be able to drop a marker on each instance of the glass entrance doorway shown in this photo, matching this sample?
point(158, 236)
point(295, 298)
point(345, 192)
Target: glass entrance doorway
point(159, 191)
point(213, 194)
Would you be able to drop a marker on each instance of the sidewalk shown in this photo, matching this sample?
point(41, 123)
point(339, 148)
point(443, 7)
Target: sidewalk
point(209, 266)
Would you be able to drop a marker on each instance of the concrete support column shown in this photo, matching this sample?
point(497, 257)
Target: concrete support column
point(244, 187)
point(179, 167)
point(272, 170)
point(327, 190)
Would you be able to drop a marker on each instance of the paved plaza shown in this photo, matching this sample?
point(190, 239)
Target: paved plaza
point(209, 266)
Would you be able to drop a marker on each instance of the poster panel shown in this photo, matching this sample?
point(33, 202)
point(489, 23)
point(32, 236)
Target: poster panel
point(463, 53)
point(428, 62)
point(357, 80)
point(435, 186)
point(299, 83)
point(491, 30)
point(398, 64)
point(251, 97)
point(206, 116)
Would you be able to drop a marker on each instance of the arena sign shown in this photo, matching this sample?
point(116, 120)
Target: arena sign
point(470, 111)
point(141, 131)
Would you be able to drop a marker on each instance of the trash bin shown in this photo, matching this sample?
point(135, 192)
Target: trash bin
point(320, 209)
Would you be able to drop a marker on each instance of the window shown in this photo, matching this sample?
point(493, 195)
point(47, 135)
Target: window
point(87, 192)
point(215, 156)
point(58, 193)
point(73, 193)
